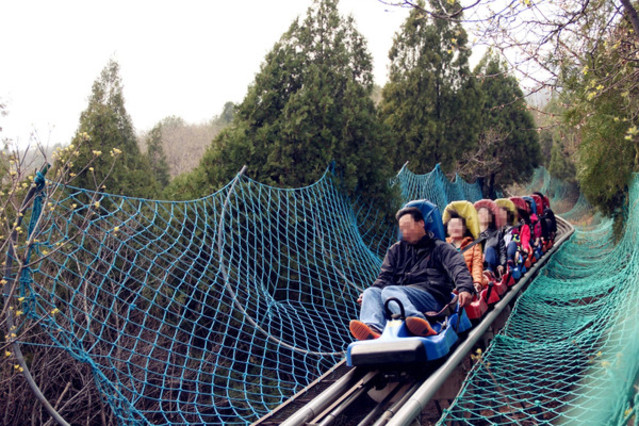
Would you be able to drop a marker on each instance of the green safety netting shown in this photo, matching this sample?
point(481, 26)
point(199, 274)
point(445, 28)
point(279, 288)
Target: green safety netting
point(565, 198)
point(214, 310)
point(569, 353)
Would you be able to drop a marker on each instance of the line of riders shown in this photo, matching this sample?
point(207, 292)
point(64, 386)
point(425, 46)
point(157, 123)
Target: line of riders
point(498, 240)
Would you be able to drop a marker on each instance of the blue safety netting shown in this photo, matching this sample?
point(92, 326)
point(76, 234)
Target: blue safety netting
point(213, 310)
point(436, 187)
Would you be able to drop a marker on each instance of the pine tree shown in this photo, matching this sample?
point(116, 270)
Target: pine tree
point(515, 152)
point(430, 102)
point(106, 132)
point(309, 105)
point(156, 157)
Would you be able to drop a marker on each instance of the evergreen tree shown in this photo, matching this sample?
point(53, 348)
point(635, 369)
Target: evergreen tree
point(431, 102)
point(545, 146)
point(559, 142)
point(106, 134)
point(156, 157)
point(603, 94)
point(515, 152)
point(310, 104)
point(227, 114)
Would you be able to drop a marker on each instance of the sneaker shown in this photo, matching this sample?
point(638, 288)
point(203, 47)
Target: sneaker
point(362, 331)
point(419, 327)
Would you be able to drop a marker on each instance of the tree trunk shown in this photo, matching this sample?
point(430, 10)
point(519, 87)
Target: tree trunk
point(491, 187)
point(632, 15)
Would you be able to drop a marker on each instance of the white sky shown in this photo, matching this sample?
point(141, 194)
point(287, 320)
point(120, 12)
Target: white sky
point(185, 58)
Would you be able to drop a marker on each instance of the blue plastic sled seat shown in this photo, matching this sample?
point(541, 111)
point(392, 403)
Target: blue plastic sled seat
point(432, 217)
point(396, 345)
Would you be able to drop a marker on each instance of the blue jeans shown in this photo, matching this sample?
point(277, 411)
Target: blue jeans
point(490, 258)
point(415, 300)
point(511, 250)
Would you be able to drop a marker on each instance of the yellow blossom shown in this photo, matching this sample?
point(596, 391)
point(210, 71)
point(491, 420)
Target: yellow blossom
point(21, 299)
point(116, 229)
point(96, 152)
point(7, 353)
point(96, 204)
point(18, 313)
point(55, 311)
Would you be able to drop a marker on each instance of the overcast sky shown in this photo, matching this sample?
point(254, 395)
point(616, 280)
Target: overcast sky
point(185, 58)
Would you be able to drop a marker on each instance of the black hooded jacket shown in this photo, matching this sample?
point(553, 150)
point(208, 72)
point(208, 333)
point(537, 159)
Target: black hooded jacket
point(495, 238)
point(430, 264)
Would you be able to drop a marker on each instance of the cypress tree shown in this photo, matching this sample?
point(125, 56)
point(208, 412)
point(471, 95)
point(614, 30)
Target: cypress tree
point(516, 152)
point(108, 154)
point(310, 104)
point(430, 102)
point(156, 157)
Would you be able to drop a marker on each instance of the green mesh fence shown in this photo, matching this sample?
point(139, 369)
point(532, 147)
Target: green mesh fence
point(565, 198)
point(569, 353)
point(212, 311)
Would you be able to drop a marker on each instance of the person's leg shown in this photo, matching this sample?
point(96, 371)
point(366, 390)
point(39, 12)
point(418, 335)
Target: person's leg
point(511, 251)
point(372, 311)
point(490, 258)
point(415, 300)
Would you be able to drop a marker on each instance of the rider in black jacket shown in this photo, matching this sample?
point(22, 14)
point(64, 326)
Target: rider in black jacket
point(421, 272)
